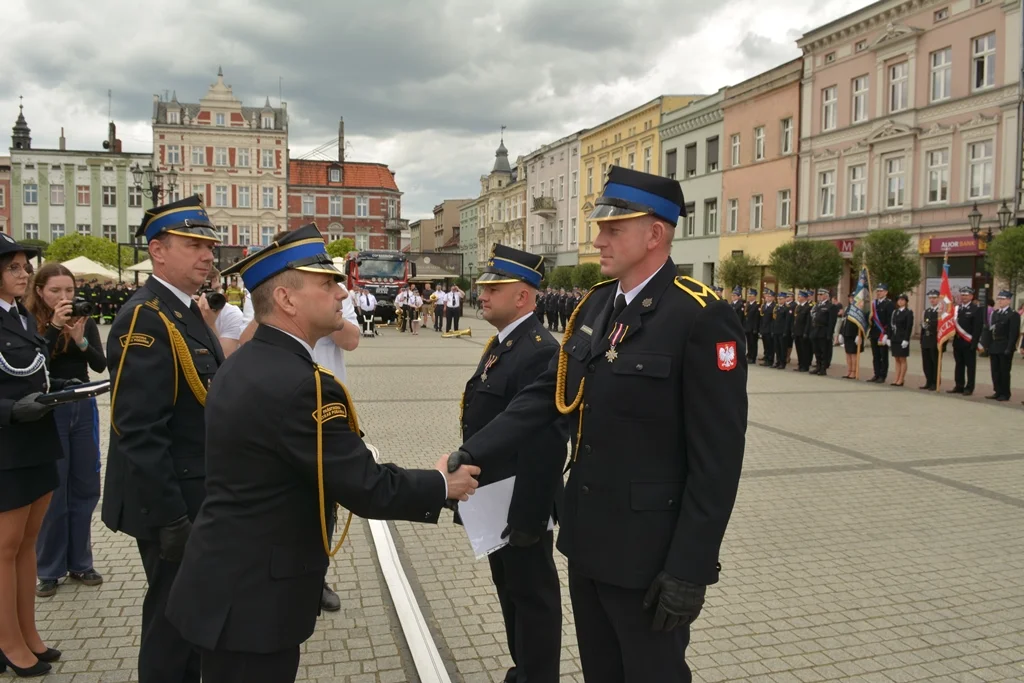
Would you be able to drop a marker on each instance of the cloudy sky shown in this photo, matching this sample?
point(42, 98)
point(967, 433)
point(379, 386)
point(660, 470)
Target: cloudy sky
point(424, 85)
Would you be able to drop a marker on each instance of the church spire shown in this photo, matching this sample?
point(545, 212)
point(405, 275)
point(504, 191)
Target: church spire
point(21, 137)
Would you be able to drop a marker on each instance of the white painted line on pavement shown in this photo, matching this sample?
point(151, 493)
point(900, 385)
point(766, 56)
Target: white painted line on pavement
point(425, 654)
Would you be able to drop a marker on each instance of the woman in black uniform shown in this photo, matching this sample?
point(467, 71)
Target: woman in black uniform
point(900, 329)
point(851, 340)
point(29, 450)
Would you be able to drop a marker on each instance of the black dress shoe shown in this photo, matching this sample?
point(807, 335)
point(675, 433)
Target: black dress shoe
point(1002, 399)
point(993, 397)
point(329, 600)
point(967, 392)
point(40, 668)
point(51, 655)
point(954, 391)
point(46, 588)
point(927, 387)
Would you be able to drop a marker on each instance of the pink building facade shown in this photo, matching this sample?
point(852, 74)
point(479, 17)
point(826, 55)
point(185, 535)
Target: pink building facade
point(5, 195)
point(908, 120)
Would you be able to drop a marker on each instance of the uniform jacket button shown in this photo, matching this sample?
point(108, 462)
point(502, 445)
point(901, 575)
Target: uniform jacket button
point(587, 448)
point(585, 490)
point(185, 471)
point(590, 368)
point(586, 407)
point(144, 511)
point(639, 366)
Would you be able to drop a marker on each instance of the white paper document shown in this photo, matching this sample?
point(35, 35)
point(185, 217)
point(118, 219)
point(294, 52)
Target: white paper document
point(485, 516)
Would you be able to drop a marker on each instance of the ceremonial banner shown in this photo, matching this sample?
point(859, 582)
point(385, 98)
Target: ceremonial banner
point(947, 309)
point(857, 312)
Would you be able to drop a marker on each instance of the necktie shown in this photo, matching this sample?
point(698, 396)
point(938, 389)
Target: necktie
point(620, 305)
point(13, 312)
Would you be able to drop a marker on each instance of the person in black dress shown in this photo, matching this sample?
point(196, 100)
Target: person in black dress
point(901, 328)
point(851, 341)
point(29, 451)
point(64, 547)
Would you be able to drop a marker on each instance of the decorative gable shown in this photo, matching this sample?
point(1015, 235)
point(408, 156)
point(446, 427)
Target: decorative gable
point(889, 130)
point(895, 33)
point(937, 130)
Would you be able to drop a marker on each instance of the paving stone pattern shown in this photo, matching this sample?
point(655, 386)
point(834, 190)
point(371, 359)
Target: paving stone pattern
point(878, 537)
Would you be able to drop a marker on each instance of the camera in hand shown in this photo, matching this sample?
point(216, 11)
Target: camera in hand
point(215, 299)
point(80, 308)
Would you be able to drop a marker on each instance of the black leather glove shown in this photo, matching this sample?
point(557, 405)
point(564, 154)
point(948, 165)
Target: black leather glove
point(458, 459)
point(173, 538)
point(678, 602)
point(518, 539)
point(28, 409)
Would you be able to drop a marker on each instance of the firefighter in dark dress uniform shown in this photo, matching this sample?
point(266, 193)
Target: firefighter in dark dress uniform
point(782, 324)
point(801, 330)
point(970, 324)
point(822, 324)
point(751, 325)
point(282, 446)
point(930, 341)
point(1000, 340)
point(524, 571)
point(767, 326)
point(652, 372)
point(738, 304)
point(881, 315)
point(163, 356)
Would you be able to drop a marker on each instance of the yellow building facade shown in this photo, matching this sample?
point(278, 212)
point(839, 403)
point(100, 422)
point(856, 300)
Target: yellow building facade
point(629, 140)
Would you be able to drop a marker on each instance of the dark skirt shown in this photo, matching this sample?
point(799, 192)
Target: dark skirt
point(850, 343)
point(25, 485)
point(898, 351)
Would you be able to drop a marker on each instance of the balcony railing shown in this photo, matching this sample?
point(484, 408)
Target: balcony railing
point(544, 206)
point(589, 249)
point(545, 248)
point(396, 224)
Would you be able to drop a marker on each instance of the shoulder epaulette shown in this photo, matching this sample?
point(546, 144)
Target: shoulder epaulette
point(697, 289)
point(153, 303)
point(602, 284)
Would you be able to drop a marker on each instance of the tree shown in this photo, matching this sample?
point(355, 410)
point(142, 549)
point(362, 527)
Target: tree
point(889, 260)
point(826, 265)
point(560, 277)
point(791, 263)
point(586, 275)
point(462, 283)
point(339, 248)
point(739, 270)
point(96, 248)
point(43, 245)
point(1006, 256)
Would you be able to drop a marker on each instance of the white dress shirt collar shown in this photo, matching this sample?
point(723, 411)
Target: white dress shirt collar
point(631, 294)
point(182, 296)
point(508, 329)
point(305, 344)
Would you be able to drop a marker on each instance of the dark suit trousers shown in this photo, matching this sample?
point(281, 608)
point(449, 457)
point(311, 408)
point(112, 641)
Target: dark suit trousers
point(250, 667)
point(751, 347)
point(768, 346)
point(438, 317)
point(453, 319)
point(164, 656)
point(616, 642)
point(822, 345)
point(561, 320)
point(1001, 364)
point(780, 349)
point(526, 580)
point(930, 363)
point(804, 352)
point(966, 362)
point(880, 356)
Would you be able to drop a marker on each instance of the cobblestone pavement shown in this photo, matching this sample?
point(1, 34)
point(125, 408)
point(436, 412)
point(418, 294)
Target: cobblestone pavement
point(884, 547)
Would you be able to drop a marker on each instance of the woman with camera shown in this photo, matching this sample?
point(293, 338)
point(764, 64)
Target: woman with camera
point(29, 451)
point(65, 546)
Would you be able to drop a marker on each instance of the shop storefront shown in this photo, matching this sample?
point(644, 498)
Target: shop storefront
point(966, 264)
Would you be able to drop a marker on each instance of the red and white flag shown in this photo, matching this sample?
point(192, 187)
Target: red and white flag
point(947, 309)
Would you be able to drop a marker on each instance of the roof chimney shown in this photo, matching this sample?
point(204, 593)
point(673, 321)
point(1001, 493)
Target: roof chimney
point(61, 142)
point(341, 139)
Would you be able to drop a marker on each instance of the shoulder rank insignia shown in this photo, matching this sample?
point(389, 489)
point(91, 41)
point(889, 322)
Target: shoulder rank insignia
point(178, 315)
point(538, 338)
point(697, 289)
point(509, 343)
point(646, 303)
point(138, 339)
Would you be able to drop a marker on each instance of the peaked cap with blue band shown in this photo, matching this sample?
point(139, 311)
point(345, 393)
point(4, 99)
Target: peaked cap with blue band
point(302, 249)
point(630, 194)
point(512, 265)
point(186, 218)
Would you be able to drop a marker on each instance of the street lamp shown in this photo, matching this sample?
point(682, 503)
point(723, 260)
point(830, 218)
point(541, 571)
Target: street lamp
point(150, 181)
point(1005, 217)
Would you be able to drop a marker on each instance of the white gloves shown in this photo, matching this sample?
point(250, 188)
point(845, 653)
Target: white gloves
point(905, 344)
point(857, 340)
point(840, 339)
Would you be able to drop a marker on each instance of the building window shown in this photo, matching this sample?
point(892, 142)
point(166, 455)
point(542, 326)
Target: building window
point(334, 205)
point(266, 234)
point(220, 156)
point(858, 188)
point(860, 46)
point(735, 158)
point(860, 99)
point(756, 212)
point(784, 203)
point(941, 14)
point(244, 197)
point(895, 183)
point(734, 214)
point(3, 197)
point(759, 143)
point(268, 121)
point(984, 65)
point(533, 236)
point(267, 158)
point(198, 156)
point(829, 98)
point(242, 157)
point(220, 119)
point(938, 176)
point(56, 195)
point(83, 229)
point(691, 219)
point(244, 235)
point(561, 231)
point(590, 180)
point(174, 155)
point(31, 231)
point(363, 207)
point(268, 200)
point(604, 172)
point(647, 159)
point(110, 233)
point(572, 230)
point(224, 234)
point(220, 195)
point(31, 193)
point(711, 154)
point(980, 171)
point(56, 231)
point(710, 216)
point(575, 183)
point(551, 185)
point(362, 241)
point(173, 117)
point(787, 136)
point(691, 160)
point(308, 205)
point(670, 164)
point(83, 195)
point(827, 193)
point(631, 161)
point(899, 86)
point(134, 197)
point(561, 186)
point(942, 74)
point(393, 208)
point(109, 195)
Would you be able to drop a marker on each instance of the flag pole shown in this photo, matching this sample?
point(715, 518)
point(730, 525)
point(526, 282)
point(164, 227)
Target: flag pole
point(939, 350)
point(860, 344)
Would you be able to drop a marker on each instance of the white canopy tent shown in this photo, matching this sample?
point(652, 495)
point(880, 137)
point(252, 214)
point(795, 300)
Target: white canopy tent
point(80, 265)
point(141, 267)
